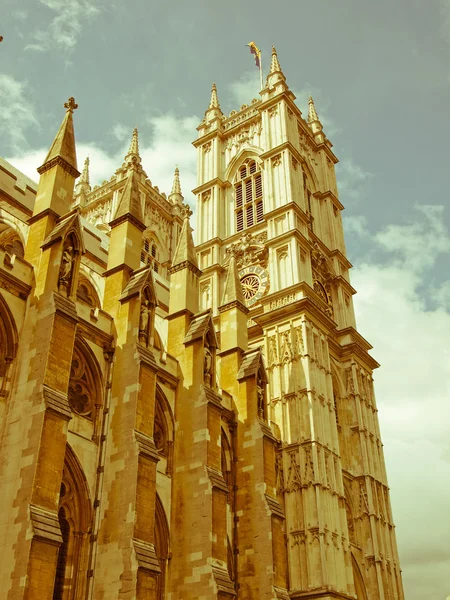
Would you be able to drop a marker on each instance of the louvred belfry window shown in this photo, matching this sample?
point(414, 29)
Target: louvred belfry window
point(248, 189)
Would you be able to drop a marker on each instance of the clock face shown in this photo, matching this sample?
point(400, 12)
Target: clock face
point(255, 282)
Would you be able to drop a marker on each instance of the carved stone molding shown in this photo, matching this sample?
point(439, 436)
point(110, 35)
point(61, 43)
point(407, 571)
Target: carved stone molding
point(57, 402)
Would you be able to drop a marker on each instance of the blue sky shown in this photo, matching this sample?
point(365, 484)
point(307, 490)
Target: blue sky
point(379, 73)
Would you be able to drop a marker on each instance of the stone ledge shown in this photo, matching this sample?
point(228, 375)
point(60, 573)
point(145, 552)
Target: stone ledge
point(146, 556)
point(57, 402)
point(45, 525)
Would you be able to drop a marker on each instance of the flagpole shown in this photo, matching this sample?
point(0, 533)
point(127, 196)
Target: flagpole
point(260, 71)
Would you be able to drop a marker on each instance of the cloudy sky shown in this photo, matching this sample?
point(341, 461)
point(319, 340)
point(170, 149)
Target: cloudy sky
point(380, 75)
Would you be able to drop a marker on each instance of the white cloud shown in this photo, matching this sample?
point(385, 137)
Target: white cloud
point(413, 388)
point(356, 224)
point(352, 181)
point(64, 28)
point(16, 112)
point(244, 89)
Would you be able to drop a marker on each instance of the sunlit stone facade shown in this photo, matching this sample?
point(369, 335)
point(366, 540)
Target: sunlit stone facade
point(180, 421)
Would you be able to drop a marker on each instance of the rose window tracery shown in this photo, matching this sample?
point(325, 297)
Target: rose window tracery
point(250, 286)
point(81, 386)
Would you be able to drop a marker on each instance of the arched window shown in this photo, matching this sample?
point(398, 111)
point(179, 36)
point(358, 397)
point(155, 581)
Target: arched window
point(74, 517)
point(163, 430)
point(228, 475)
point(10, 241)
point(150, 254)
point(85, 385)
point(86, 293)
point(161, 547)
point(248, 190)
point(307, 194)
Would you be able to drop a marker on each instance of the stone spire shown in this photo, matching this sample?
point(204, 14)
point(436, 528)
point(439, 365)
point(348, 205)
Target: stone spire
point(275, 63)
point(276, 78)
point(176, 195)
point(233, 288)
point(62, 151)
point(312, 113)
point(130, 203)
point(314, 123)
point(213, 112)
point(214, 102)
point(133, 152)
point(82, 188)
point(185, 251)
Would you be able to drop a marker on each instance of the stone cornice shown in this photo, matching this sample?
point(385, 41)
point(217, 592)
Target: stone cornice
point(128, 217)
point(310, 304)
point(59, 161)
point(44, 213)
point(117, 268)
point(65, 307)
point(286, 207)
point(12, 284)
point(209, 184)
point(94, 333)
point(234, 304)
point(329, 194)
point(213, 133)
point(185, 265)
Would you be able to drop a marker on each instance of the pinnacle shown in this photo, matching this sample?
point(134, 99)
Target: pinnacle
point(130, 203)
point(85, 173)
point(233, 288)
point(214, 102)
point(275, 63)
point(312, 113)
point(63, 147)
point(185, 251)
point(133, 151)
point(176, 187)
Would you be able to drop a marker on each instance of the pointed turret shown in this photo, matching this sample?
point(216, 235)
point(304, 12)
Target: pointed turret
point(314, 122)
point(275, 63)
point(184, 272)
point(176, 196)
point(213, 112)
point(133, 156)
point(233, 314)
point(130, 202)
point(82, 188)
point(62, 151)
point(276, 75)
point(233, 289)
point(185, 251)
point(214, 102)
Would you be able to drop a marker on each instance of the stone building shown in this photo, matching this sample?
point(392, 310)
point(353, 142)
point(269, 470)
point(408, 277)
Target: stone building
point(183, 421)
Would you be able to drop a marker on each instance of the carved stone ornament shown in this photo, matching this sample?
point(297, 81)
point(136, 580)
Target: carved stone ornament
point(261, 393)
point(67, 266)
point(81, 386)
point(294, 478)
point(207, 365)
point(249, 250)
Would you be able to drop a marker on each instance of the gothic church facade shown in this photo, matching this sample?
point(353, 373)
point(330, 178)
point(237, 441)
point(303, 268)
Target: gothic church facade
point(181, 421)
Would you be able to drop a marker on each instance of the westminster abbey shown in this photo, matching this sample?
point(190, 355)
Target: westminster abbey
point(183, 421)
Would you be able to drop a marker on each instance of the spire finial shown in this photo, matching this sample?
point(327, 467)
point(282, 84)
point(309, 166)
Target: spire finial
point(176, 187)
point(134, 145)
point(312, 113)
point(70, 105)
point(85, 173)
point(275, 63)
point(132, 156)
point(214, 102)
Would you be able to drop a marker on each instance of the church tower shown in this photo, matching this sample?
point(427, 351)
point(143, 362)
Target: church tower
point(268, 210)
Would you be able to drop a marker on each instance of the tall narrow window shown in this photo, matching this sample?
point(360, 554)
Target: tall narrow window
point(150, 254)
point(248, 196)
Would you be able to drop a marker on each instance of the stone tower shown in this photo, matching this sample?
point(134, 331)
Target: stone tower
point(186, 422)
point(267, 197)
